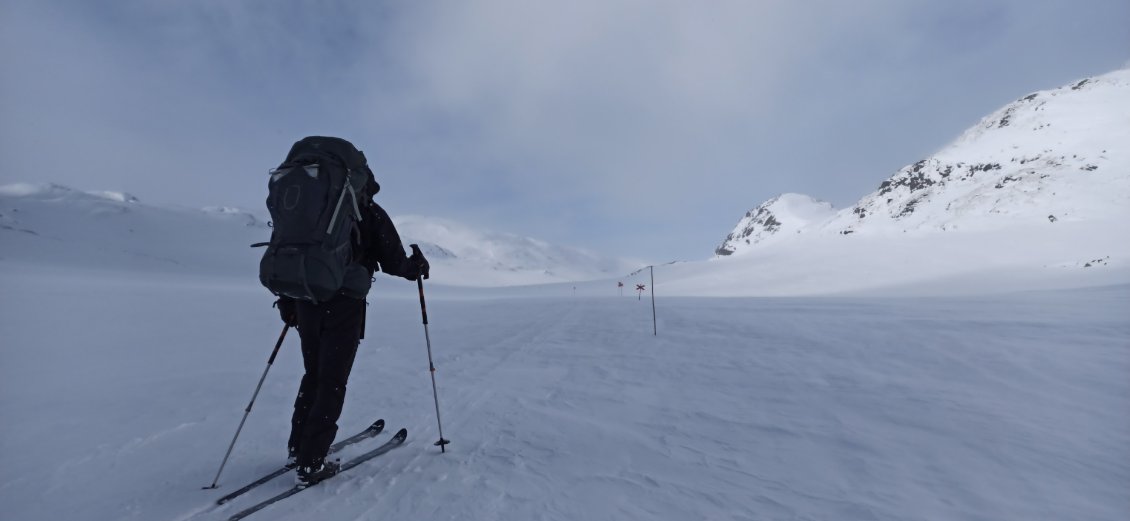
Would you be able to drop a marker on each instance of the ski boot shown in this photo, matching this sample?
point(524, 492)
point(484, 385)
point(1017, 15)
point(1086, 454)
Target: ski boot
point(306, 476)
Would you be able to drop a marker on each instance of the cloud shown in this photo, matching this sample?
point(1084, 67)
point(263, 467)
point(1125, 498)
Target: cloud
point(610, 98)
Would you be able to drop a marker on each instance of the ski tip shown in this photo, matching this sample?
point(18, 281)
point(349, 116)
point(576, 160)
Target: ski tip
point(378, 425)
point(401, 435)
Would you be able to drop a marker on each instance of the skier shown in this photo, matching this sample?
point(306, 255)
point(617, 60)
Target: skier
point(330, 332)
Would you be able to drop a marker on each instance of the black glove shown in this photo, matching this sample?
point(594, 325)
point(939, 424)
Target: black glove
point(418, 264)
point(288, 311)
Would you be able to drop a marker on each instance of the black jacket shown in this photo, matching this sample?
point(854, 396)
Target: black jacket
point(380, 246)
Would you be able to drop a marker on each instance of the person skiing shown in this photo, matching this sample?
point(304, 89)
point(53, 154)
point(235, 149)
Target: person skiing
point(331, 330)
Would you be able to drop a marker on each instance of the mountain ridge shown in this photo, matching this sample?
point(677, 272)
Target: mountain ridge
point(1050, 156)
point(776, 218)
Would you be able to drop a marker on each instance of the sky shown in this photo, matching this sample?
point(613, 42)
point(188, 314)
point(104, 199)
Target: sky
point(641, 129)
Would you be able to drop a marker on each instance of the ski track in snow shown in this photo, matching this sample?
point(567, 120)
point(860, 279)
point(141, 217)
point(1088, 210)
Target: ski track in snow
point(121, 393)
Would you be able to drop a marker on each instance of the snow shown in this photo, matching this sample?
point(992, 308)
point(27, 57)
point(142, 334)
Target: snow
point(970, 263)
point(120, 197)
point(487, 258)
point(963, 360)
point(25, 189)
point(781, 217)
point(61, 226)
point(989, 407)
point(1050, 157)
point(54, 191)
point(1036, 195)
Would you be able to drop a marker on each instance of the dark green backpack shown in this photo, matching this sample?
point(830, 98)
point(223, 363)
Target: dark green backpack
point(314, 198)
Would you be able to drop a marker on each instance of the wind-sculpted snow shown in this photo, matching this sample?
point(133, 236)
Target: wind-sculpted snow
point(121, 392)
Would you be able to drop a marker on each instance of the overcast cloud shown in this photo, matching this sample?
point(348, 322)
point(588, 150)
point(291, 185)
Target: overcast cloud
point(637, 128)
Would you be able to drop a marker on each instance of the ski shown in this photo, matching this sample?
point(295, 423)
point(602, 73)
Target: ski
point(395, 442)
point(369, 432)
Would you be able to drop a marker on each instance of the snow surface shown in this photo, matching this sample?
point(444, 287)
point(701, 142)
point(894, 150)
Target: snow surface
point(122, 390)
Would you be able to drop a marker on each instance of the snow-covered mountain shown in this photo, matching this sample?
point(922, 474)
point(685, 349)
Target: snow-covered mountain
point(1035, 194)
point(778, 217)
point(50, 224)
point(1050, 157)
point(496, 258)
point(57, 225)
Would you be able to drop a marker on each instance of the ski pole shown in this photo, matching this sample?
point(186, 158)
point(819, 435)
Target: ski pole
point(247, 411)
point(654, 328)
point(431, 366)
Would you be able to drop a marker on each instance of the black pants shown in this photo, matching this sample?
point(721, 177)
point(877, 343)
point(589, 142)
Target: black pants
point(330, 333)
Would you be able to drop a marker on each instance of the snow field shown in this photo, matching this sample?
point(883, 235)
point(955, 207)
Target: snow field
point(120, 394)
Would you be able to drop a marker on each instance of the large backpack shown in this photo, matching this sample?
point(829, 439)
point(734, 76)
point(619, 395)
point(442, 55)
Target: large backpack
point(314, 203)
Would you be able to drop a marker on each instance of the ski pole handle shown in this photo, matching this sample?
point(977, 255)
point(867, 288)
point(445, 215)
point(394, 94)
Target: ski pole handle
point(282, 336)
point(420, 283)
point(422, 267)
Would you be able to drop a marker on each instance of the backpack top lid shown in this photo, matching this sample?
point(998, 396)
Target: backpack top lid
point(353, 158)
